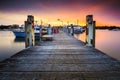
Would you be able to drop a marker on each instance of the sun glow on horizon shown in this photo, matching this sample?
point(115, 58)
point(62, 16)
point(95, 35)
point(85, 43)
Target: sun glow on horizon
point(45, 19)
point(49, 11)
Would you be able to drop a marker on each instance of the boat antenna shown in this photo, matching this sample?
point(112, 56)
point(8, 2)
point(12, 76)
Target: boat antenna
point(41, 22)
point(77, 21)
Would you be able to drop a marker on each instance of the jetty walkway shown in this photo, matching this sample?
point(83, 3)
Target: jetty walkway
point(64, 58)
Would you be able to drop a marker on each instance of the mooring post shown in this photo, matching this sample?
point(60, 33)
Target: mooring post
point(40, 33)
point(68, 30)
point(94, 25)
point(29, 30)
point(72, 29)
point(90, 31)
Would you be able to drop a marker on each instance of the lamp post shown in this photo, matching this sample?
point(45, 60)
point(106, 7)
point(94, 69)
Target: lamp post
point(67, 22)
point(41, 22)
point(77, 21)
point(60, 21)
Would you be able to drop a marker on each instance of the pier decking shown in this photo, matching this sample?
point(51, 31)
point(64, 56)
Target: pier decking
point(64, 58)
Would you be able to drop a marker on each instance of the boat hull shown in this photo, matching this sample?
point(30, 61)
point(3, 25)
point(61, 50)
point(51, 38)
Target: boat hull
point(22, 34)
point(19, 34)
point(79, 31)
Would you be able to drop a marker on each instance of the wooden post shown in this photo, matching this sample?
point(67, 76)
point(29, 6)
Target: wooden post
point(90, 31)
point(72, 30)
point(40, 33)
point(94, 25)
point(49, 30)
point(29, 30)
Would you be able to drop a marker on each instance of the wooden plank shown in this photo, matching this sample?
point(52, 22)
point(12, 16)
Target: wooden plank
point(64, 58)
point(47, 37)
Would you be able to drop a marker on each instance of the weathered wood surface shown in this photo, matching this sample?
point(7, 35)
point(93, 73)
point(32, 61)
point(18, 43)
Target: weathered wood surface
point(47, 37)
point(64, 58)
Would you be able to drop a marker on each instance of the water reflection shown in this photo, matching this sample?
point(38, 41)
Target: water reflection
point(19, 40)
point(106, 41)
point(22, 40)
point(8, 44)
point(81, 37)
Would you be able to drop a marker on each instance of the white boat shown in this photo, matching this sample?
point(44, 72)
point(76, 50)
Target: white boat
point(79, 30)
point(21, 32)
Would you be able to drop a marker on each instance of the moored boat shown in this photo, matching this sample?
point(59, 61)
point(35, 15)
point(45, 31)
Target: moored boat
point(21, 33)
point(79, 30)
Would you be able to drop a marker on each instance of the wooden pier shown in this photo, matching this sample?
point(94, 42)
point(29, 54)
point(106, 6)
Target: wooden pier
point(64, 58)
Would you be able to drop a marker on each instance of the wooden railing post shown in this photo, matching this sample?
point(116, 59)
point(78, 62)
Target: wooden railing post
point(90, 31)
point(72, 30)
point(29, 30)
point(40, 35)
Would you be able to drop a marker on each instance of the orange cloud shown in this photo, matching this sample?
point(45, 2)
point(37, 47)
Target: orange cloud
point(68, 13)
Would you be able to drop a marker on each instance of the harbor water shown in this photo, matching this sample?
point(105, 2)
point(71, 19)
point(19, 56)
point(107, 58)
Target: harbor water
point(9, 45)
point(106, 41)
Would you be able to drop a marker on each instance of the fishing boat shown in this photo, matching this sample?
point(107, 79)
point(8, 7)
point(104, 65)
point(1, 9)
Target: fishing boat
point(79, 30)
point(20, 33)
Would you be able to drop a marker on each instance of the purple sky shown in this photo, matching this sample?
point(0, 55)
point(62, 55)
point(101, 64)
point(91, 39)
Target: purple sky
point(106, 12)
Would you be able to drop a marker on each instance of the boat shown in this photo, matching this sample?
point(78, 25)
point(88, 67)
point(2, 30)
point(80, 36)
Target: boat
point(20, 33)
point(79, 30)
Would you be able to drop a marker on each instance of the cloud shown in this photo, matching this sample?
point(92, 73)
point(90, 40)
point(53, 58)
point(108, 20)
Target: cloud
point(27, 4)
point(54, 4)
point(71, 9)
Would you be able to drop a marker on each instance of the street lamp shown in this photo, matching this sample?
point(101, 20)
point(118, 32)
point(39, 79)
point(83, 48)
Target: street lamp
point(60, 21)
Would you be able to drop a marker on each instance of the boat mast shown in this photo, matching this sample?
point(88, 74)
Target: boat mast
point(77, 21)
point(36, 23)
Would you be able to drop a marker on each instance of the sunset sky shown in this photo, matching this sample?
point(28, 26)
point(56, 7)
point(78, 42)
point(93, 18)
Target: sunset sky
point(105, 12)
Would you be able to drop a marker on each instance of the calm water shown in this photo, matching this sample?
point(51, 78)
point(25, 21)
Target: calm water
point(106, 41)
point(9, 45)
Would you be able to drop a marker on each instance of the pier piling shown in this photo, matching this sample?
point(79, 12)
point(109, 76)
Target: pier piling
point(29, 30)
point(90, 31)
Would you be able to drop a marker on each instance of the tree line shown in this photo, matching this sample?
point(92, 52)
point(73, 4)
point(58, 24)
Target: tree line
point(14, 26)
point(107, 27)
